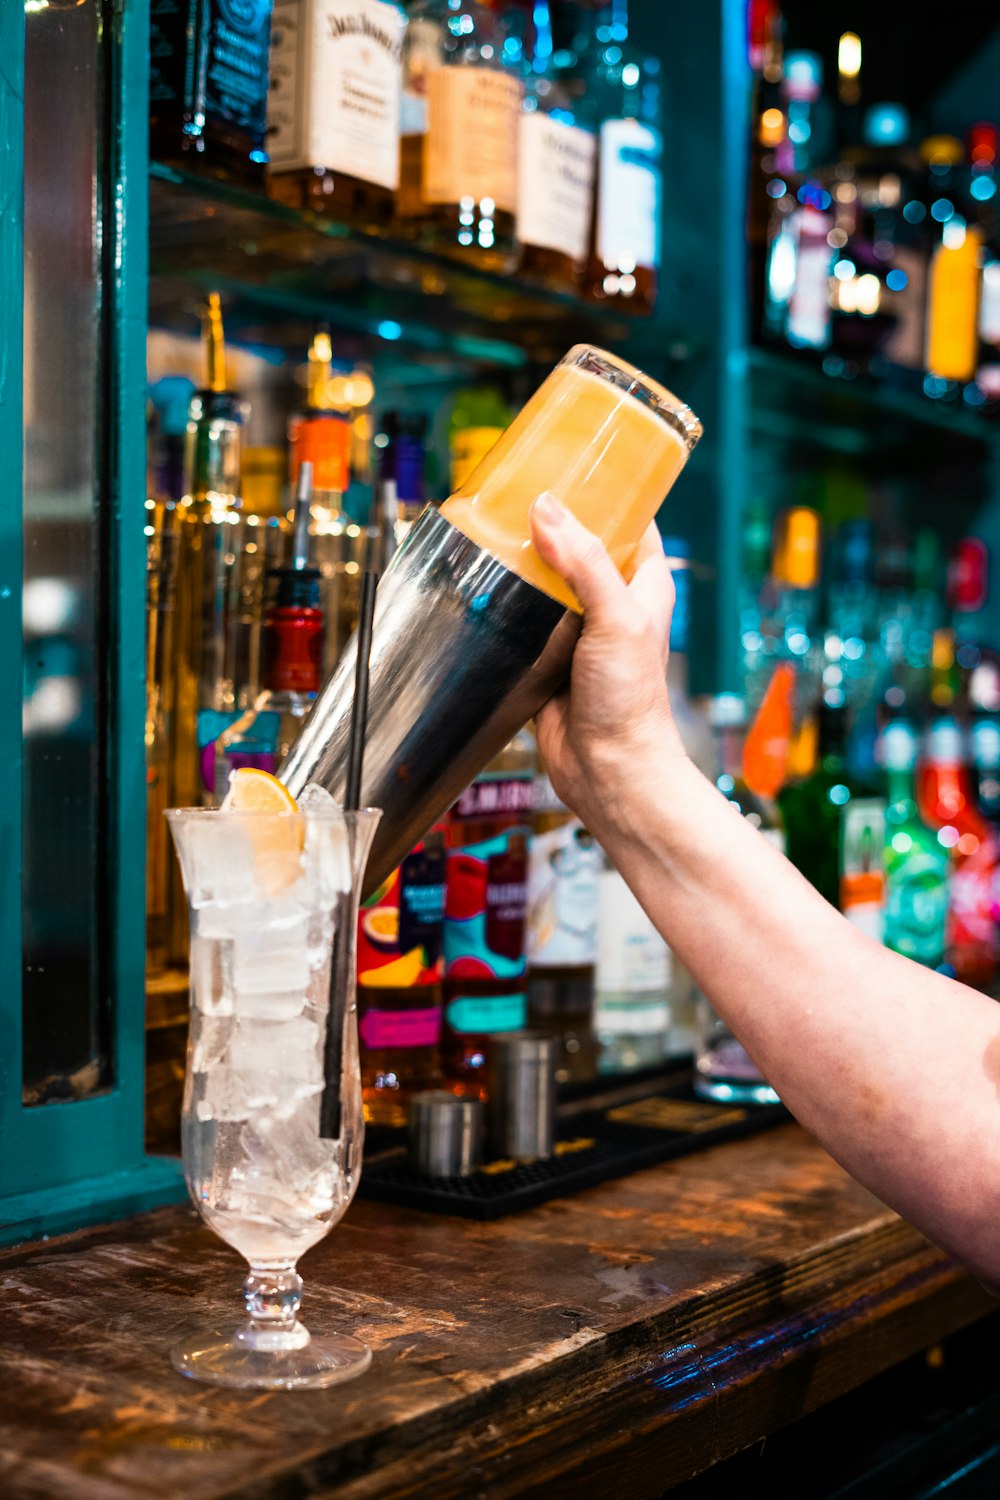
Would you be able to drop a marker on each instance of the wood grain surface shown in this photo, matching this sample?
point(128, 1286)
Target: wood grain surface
point(612, 1344)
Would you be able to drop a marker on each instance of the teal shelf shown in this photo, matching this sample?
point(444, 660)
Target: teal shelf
point(281, 269)
point(795, 401)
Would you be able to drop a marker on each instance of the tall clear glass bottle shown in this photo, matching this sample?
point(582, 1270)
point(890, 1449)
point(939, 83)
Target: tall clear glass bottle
point(458, 162)
point(624, 258)
point(333, 107)
point(563, 896)
point(724, 1070)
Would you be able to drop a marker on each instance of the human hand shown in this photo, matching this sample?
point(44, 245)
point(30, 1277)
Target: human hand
point(615, 708)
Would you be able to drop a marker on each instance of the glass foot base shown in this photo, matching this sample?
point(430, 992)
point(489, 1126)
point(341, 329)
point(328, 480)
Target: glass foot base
point(233, 1361)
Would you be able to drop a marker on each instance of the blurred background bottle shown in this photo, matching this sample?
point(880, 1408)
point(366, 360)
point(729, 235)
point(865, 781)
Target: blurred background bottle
point(724, 1070)
point(458, 184)
point(333, 107)
point(400, 972)
point(564, 868)
point(484, 931)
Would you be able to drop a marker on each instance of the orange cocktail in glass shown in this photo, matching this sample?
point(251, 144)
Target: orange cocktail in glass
point(606, 440)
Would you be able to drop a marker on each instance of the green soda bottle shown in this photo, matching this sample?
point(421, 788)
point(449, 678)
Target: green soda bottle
point(916, 864)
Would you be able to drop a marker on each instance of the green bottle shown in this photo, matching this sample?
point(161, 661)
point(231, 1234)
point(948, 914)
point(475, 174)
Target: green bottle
point(835, 826)
point(916, 864)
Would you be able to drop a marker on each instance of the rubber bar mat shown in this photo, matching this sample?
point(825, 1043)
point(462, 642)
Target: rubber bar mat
point(592, 1147)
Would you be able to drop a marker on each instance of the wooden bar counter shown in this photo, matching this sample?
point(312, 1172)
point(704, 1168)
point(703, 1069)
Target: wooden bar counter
point(612, 1344)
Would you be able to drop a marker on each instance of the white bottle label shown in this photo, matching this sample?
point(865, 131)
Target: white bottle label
point(809, 306)
point(633, 962)
point(563, 868)
point(471, 151)
point(555, 184)
point(336, 70)
point(628, 209)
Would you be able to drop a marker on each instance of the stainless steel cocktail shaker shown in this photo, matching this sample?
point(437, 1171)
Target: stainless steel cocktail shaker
point(464, 652)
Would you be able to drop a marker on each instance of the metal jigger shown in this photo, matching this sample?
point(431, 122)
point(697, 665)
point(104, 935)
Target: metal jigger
point(464, 652)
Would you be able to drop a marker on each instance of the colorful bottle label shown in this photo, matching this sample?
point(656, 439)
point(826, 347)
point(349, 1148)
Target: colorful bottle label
point(916, 911)
point(335, 88)
point(555, 184)
point(398, 1029)
point(628, 199)
point(471, 150)
point(484, 930)
point(400, 925)
point(483, 1015)
point(563, 871)
point(862, 871)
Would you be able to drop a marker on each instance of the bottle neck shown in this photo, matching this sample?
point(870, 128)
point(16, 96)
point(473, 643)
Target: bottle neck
point(293, 649)
point(900, 784)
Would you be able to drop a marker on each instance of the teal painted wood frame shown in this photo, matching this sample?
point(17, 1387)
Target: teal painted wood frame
point(69, 1163)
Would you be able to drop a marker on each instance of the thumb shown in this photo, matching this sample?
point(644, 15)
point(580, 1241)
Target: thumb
point(578, 556)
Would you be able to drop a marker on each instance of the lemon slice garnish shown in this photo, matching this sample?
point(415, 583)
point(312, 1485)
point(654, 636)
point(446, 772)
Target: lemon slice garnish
point(276, 844)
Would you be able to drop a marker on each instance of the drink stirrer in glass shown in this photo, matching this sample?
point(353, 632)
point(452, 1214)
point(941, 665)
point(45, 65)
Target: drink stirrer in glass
point(344, 937)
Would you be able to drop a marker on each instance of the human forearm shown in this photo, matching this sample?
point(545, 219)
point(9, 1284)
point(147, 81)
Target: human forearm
point(873, 1053)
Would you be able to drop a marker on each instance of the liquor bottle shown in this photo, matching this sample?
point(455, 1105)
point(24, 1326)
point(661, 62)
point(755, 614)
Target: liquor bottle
point(320, 433)
point(485, 989)
point(217, 620)
point(564, 869)
point(293, 646)
point(794, 627)
point(478, 418)
point(696, 736)
point(916, 863)
point(333, 107)
point(835, 825)
point(632, 981)
point(764, 35)
point(982, 149)
point(800, 258)
point(869, 279)
point(555, 169)
point(458, 172)
point(624, 257)
point(400, 970)
point(208, 85)
point(757, 602)
point(404, 459)
point(947, 801)
point(724, 1070)
point(692, 726)
point(953, 288)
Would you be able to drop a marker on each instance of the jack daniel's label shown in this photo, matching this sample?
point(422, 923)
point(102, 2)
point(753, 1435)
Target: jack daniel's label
point(336, 68)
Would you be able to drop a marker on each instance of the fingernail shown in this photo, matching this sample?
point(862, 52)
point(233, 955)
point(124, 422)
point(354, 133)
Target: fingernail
point(548, 508)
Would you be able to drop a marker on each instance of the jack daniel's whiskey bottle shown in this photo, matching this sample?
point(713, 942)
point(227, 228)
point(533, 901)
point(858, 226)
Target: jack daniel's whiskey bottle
point(208, 85)
point(333, 112)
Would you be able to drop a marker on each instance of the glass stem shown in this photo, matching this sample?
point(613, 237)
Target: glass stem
point(273, 1296)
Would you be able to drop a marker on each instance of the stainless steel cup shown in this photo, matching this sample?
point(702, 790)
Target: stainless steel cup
point(521, 1114)
point(445, 1134)
point(464, 652)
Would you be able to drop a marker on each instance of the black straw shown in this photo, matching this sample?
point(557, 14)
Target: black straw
point(343, 944)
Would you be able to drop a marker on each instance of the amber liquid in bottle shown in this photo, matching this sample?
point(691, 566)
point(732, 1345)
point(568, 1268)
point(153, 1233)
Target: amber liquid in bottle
point(458, 149)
